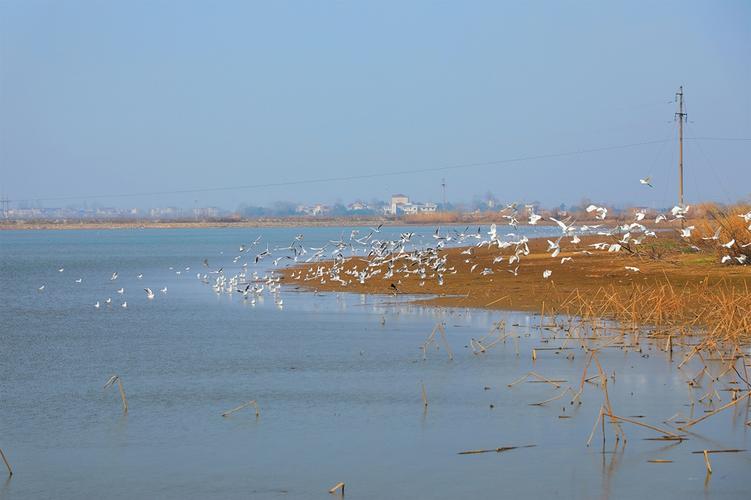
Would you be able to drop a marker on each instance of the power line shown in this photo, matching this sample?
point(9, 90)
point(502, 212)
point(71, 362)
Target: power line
point(351, 177)
point(344, 178)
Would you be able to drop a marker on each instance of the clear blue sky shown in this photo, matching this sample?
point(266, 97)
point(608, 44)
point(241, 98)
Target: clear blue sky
point(108, 97)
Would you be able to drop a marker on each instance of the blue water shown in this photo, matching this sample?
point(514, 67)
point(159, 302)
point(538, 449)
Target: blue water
point(337, 378)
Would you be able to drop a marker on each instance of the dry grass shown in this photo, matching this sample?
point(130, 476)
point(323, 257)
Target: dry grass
point(720, 311)
point(731, 226)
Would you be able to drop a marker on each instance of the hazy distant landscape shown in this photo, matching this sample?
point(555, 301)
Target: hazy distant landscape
point(375, 249)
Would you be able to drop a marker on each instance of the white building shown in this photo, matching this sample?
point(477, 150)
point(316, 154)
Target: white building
point(398, 200)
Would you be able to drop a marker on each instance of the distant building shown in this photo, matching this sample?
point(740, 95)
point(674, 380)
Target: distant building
point(357, 206)
point(396, 201)
point(317, 209)
point(414, 208)
point(206, 212)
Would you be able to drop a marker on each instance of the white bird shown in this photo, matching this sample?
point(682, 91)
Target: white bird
point(125, 305)
point(716, 235)
point(646, 181)
point(546, 273)
point(79, 280)
point(61, 270)
point(686, 232)
point(602, 212)
point(149, 293)
point(97, 304)
point(632, 269)
point(140, 276)
point(576, 240)
point(729, 244)
point(121, 291)
point(41, 288)
point(108, 301)
point(564, 226)
point(726, 259)
point(163, 290)
point(534, 218)
point(679, 212)
point(114, 277)
point(566, 259)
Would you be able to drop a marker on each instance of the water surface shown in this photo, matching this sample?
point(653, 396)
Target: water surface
point(337, 378)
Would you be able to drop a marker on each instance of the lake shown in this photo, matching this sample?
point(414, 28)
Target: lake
point(337, 378)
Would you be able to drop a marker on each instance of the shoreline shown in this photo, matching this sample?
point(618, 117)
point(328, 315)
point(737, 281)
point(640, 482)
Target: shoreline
point(266, 223)
point(528, 291)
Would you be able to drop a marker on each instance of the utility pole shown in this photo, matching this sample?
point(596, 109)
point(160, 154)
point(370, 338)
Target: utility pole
point(443, 186)
point(681, 117)
point(4, 203)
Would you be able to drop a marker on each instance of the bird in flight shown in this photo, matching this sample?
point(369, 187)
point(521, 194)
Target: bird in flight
point(647, 181)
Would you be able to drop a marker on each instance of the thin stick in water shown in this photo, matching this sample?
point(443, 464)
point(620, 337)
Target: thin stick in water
point(10, 471)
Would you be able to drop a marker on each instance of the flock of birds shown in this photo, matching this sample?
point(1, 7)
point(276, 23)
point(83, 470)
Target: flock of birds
point(392, 259)
point(120, 291)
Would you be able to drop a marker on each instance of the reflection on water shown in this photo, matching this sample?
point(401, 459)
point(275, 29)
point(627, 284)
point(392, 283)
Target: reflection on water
point(338, 379)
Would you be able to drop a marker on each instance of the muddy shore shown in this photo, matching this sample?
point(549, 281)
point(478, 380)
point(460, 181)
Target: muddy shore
point(528, 290)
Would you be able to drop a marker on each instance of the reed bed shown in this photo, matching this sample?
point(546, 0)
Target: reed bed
point(720, 312)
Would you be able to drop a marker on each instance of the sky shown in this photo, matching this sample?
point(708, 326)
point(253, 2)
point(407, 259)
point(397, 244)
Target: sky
point(156, 103)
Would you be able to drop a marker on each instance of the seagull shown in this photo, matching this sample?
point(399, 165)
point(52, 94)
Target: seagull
point(716, 235)
point(149, 293)
point(97, 304)
point(632, 269)
point(546, 273)
point(686, 232)
point(533, 218)
point(79, 280)
point(564, 226)
point(602, 212)
point(121, 291)
point(566, 259)
point(108, 301)
point(114, 277)
point(726, 259)
point(140, 276)
point(125, 305)
point(163, 290)
point(729, 244)
point(41, 288)
point(646, 181)
point(61, 270)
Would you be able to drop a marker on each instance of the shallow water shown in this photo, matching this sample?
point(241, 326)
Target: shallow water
point(337, 378)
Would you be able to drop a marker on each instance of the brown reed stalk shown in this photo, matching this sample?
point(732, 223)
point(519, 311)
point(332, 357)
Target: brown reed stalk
point(715, 412)
point(244, 405)
point(337, 487)
point(110, 382)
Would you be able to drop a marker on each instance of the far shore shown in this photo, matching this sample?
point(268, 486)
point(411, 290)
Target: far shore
point(462, 220)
